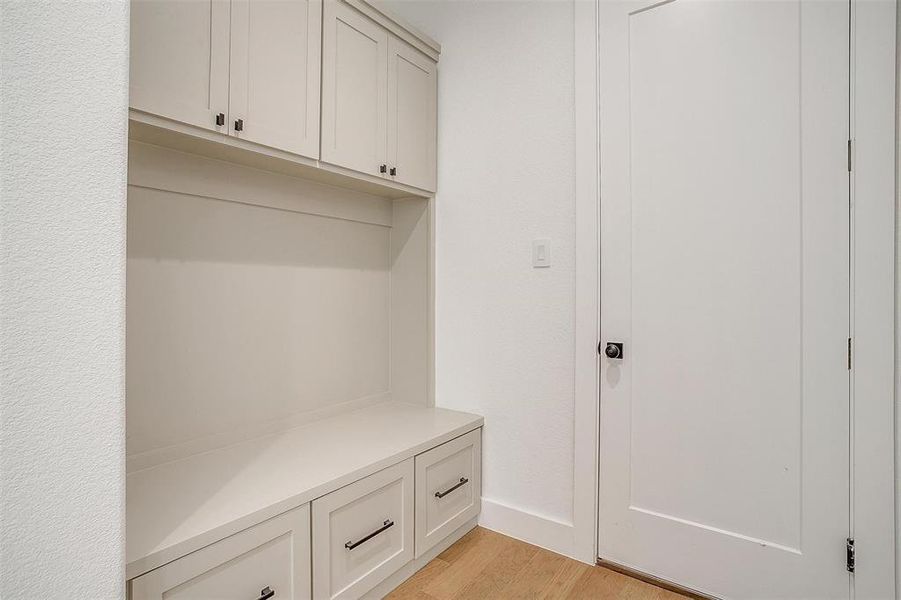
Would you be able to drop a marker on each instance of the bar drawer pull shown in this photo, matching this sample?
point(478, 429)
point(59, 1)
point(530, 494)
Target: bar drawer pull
point(266, 593)
point(388, 524)
point(463, 481)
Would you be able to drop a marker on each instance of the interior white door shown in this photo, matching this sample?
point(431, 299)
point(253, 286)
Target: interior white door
point(179, 60)
point(412, 119)
point(724, 448)
point(275, 67)
point(354, 89)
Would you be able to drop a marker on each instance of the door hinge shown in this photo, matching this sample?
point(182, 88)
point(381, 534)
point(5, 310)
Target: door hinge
point(849, 156)
point(849, 554)
point(849, 354)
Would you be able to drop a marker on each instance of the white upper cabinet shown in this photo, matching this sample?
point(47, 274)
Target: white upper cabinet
point(379, 99)
point(248, 68)
point(354, 90)
point(302, 81)
point(179, 60)
point(412, 104)
point(275, 66)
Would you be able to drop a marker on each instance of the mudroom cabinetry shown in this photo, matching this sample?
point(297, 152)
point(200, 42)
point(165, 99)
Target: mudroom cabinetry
point(245, 68)
point(282, 435)
point(179, 61)
point(332, 90)
point(379, 96)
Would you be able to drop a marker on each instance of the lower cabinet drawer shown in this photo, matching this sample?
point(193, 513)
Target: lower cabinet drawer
point(269, 560)
point(363, 533)
point(448, 488)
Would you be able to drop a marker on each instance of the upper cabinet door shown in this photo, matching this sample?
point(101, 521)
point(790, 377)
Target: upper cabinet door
point(179, 60)
point(412, 107)
point(354, 89)
point(275, 67)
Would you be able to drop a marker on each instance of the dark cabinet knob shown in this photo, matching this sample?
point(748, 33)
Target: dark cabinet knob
point(220, 119)
point(393, 171)
point(614, 350)
point(266, 593)
point(239, 125)
point(383, 168)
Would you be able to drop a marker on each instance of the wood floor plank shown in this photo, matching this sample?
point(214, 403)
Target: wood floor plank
point(485, 565)
point(536, 577)
point(663, 594)
point(467, 566)
point(634, 589)
point(464, 544)
point(564, 580)
point(599, 584)
point(409, 595)
point(500, 572)
point(412, 588)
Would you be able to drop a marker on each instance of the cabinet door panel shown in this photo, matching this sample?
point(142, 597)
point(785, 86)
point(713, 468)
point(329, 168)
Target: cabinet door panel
point(448, 488)
point(274, 554)
point(412, 104)
point(179, 60)
point(354, 89)
point(275, 67)
point(363, 533)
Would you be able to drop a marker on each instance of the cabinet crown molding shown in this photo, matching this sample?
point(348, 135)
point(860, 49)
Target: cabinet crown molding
point(398, 26)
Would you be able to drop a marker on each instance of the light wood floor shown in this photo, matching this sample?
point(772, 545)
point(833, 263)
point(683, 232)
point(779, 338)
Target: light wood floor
point(485, 565)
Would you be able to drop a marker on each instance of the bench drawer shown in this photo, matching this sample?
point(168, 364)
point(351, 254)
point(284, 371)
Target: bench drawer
point(448, 488)
point(362, 533)
point(273, 556)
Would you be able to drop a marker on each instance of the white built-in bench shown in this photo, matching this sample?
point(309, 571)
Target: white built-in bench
point(240, 519)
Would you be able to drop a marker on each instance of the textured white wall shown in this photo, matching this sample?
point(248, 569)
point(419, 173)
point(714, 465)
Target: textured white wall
point(63, 88)
point(506, 149)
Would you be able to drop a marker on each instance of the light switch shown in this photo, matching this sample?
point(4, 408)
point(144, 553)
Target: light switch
point(541, 253)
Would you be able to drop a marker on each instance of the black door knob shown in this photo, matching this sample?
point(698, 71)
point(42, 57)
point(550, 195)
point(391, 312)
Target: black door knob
point(614, 350)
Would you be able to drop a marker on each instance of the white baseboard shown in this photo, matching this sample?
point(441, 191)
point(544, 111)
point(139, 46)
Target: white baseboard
point(537, 530)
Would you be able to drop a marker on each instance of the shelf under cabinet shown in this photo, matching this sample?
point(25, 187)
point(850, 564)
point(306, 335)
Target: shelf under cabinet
point(151, 129)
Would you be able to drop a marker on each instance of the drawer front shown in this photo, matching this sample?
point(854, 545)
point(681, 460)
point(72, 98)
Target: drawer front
point(274, 554)
point(363, 533)
point(448, 488)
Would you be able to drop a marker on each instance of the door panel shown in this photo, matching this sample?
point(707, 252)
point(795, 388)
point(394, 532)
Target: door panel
point(354, 89)
point(275, 73)
point(724, 185)
point(179, 60)
point(412, 104)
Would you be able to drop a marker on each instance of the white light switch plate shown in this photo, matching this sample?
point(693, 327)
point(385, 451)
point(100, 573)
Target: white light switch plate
point(541, 253)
